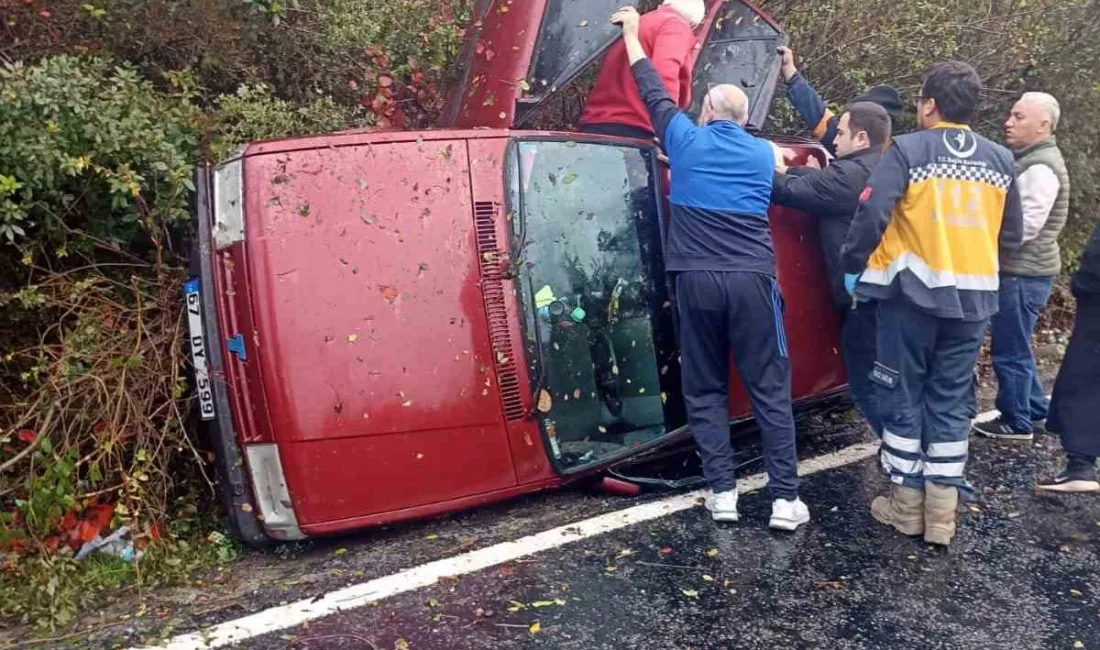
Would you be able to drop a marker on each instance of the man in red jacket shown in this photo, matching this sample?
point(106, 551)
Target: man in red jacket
point(667, 34)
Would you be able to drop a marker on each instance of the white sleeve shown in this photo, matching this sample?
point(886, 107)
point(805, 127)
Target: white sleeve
point(1038, 187)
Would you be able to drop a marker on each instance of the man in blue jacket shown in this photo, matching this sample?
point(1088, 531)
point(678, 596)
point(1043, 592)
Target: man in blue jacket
point(832, 196)
point(719, 249)
point(812, 109)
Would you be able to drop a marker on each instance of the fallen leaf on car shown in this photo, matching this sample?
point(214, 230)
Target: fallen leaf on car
point(388, 292)
point(353, 337)
point(545, 401)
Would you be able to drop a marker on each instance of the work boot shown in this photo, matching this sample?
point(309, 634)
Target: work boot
point(903, 509)
point(940, 504)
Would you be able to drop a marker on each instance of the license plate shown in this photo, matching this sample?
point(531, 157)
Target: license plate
point(198, 349)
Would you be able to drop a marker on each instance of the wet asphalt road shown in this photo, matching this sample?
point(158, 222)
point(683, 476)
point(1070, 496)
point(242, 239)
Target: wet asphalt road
point(1023, 573)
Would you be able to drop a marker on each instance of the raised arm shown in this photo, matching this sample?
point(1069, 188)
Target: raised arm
point(662, 108)
point(809, 105)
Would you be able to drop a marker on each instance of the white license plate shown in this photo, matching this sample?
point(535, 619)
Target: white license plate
point(198, 349)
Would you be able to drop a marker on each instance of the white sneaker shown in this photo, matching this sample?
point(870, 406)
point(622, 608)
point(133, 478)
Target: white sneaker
point(723, 505)
point(789, 515)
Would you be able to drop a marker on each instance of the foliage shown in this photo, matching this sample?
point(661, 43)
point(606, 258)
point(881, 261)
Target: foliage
point(390, 57)
point(254, 113)
point(105, 108)
point(80, 137)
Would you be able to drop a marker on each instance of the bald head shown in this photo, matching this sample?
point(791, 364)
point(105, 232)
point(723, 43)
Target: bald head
point(725, 102)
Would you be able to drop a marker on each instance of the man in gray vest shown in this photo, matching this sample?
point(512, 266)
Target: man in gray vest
point(1027, 273)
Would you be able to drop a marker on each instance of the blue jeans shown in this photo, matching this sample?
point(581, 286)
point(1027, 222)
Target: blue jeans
point(858, 342)
point(1020, 397)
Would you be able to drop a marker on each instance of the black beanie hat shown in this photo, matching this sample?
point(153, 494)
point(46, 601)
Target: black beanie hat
point(885, 96)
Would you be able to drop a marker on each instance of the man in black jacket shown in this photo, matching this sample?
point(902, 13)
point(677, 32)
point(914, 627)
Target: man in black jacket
point(1076, 400)
point(832, 195)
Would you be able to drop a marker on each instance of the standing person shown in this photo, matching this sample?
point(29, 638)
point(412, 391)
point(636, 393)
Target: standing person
point(832, 196)
point(1027, 274)
point(668, 39)
point(812, 109)
point(924, 245)
point(719, 249)
point(1075, 407)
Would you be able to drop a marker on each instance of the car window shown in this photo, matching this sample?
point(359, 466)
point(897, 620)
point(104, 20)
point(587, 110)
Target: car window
point(739, 49)
point(573, 32)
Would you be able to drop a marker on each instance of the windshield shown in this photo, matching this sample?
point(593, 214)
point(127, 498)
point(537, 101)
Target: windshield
point(599, 332)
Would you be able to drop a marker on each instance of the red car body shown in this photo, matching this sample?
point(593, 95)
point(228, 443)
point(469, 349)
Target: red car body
point(370, 341)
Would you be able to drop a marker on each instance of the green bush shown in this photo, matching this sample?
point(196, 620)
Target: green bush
point(86, 145)
point(254, 113)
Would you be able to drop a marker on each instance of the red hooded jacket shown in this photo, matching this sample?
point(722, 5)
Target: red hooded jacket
point(668, 40)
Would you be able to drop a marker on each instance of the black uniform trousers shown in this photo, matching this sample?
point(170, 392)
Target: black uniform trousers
point(739, 313)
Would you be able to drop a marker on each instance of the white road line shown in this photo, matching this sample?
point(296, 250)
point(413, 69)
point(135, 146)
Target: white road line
point(293, 614)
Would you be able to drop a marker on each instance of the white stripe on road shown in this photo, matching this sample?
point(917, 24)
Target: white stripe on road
point(294, 614)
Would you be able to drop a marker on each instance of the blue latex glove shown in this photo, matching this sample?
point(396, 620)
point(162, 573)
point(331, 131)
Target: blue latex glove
point(850, 280)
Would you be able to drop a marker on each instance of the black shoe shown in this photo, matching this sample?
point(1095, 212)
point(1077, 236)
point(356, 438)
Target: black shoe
point(1078, 477)
point(1002, 430)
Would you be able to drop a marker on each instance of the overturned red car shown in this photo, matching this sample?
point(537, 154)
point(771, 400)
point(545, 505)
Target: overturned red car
point(393, 325)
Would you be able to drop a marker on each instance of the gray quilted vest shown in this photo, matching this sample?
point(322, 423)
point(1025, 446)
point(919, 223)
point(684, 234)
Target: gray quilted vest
point(1042, 256)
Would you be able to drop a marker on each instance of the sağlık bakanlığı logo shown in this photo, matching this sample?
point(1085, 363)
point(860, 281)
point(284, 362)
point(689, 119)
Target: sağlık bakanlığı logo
point(961, 144)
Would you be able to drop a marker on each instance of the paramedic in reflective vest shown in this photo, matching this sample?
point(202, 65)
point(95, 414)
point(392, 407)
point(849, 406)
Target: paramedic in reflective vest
point(719, 249)
point(936, 213)
point(668, 39)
